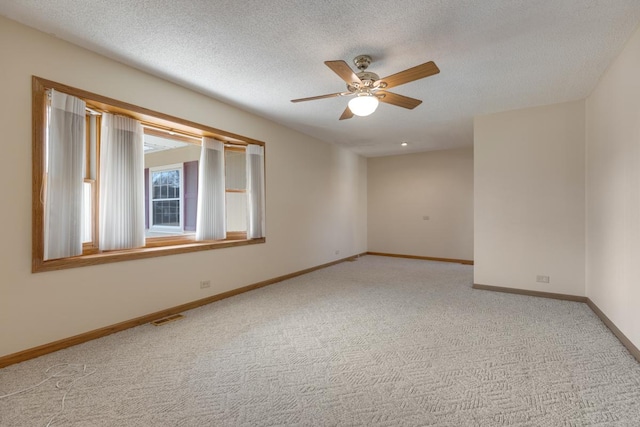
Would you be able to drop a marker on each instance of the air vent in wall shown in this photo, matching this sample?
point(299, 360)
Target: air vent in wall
point(167, 319)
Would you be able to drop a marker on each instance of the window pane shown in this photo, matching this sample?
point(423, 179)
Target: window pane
point(236, 212)
point(174, 192)
point(236, 170)
point(166, 184)
point(166, 213)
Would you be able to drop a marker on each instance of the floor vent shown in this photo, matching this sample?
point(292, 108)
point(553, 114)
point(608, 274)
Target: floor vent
point(167, 319)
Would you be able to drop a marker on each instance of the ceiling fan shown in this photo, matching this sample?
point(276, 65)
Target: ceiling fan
point(369, 88)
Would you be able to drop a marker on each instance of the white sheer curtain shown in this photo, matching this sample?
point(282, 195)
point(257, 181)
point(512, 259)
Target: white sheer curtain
point(210, 222)
point(121, 183)
point(64, 177)
point(255, 191)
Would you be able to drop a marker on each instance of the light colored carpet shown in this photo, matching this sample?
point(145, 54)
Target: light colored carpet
point(376, 342)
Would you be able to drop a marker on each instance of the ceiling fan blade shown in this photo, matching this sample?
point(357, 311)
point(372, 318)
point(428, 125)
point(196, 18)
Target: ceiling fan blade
point(346, 114)
point(331, 95)
point(344, 71)
point(399, 100)
point(415, 73)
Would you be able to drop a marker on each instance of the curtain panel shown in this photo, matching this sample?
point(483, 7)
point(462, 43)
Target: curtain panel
point(211, 221)
point(255, 191)
point(63, 194)
point(122, 209)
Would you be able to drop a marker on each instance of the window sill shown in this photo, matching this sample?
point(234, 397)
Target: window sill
point(39, 266)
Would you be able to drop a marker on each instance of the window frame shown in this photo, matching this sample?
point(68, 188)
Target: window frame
point(157, 246)
point(92, 246)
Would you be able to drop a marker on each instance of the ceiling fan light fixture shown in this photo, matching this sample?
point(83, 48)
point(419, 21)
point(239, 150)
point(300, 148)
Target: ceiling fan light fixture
point(363, 104)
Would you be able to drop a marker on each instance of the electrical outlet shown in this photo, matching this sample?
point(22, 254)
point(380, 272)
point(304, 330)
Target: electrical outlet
point(205, 284)
point(542, 279)
point(337, 252)
point(425, 218)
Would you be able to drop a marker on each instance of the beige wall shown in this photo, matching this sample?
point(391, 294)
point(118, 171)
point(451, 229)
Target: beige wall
point(316, 203)
point(403, 189)
point(613, 192)
point(529, 198)
point(557, 193)
point(173, 156)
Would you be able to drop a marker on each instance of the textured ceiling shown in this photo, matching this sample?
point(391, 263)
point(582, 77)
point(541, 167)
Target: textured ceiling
point(494, 55)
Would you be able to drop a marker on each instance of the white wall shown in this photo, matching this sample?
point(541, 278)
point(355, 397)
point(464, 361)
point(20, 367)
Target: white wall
point(613, 192)
point(403, 189)
point(316, 203)
point(529, 198)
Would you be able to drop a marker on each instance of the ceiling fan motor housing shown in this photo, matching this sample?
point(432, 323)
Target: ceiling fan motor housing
point(367, 75)
point(367, 78)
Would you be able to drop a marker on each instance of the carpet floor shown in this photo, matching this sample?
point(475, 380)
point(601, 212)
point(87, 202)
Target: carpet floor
point(375, 342)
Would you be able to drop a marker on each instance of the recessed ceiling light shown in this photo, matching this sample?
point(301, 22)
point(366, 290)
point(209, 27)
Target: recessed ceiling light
point(404, 144)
